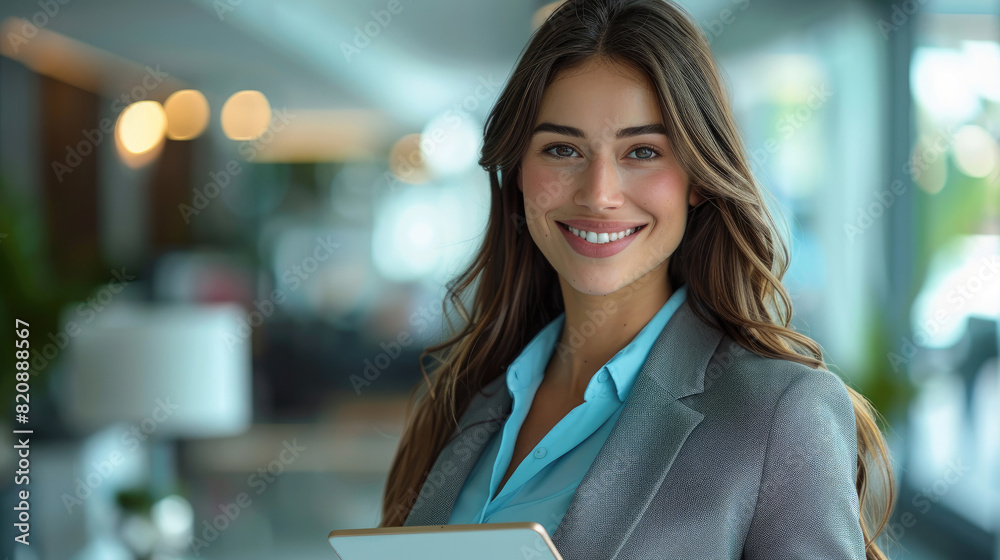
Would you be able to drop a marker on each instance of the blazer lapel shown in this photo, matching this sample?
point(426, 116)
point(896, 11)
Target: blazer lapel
point(641, 448)
point(628, 470)
point(485, 416)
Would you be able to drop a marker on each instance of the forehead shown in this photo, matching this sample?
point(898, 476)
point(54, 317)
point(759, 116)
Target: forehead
point(600, 95)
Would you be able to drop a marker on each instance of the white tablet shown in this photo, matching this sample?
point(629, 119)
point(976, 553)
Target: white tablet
point(485, 541)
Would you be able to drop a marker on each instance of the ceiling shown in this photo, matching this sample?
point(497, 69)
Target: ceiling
point(422, 60)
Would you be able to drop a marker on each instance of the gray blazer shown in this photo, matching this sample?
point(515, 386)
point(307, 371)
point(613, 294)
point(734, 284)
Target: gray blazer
point(718, 453)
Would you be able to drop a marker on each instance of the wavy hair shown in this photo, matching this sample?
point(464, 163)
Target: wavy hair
point(731, 255)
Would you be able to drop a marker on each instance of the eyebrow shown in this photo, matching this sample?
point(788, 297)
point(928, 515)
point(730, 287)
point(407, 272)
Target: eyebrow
point(622, 133)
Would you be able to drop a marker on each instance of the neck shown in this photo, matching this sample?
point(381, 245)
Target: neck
point(597, 327)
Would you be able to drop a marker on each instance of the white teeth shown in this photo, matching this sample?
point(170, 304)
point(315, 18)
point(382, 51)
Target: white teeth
point(601, 238)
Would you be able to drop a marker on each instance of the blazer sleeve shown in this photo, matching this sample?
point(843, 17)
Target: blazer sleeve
point(807, 504)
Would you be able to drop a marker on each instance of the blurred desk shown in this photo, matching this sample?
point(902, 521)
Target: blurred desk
point(284, 487)
point(352, 436)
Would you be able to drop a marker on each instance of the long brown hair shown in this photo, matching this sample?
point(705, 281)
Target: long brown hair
point(731, 256)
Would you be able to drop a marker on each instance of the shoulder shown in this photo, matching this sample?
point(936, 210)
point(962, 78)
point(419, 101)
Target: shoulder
point(764, 386)
point(783, 407)
point(796, 425)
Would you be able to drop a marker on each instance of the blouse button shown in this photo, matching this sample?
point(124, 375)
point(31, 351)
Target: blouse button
point(540, 452)
point(602, 377)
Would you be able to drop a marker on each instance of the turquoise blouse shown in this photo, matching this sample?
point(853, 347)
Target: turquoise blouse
point(542, 486)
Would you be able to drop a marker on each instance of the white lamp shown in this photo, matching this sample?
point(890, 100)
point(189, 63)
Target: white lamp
point(181, 370)
point(140, 376)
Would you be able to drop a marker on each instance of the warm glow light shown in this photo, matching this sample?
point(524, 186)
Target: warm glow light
point(406, 161)
point(313, 135)
point(246, 115)
point(79, 64)
point(141, 126)
point(187, 114)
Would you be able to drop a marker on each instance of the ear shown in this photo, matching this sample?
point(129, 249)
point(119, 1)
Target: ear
point(695, 198)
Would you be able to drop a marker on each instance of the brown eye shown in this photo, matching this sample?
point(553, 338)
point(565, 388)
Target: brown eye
point(561, 150)
point(644, 152)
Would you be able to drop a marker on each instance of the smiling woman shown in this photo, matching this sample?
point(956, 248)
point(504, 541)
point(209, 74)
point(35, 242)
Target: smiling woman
point(602, 153)
point(626, 375)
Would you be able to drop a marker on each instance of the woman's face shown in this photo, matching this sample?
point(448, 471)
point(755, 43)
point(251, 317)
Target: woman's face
point(599, 162)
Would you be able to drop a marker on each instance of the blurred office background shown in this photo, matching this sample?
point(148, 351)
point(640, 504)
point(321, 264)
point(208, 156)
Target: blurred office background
point(229, 223)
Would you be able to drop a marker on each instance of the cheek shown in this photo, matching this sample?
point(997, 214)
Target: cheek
point(662, 193)
point(543, 190)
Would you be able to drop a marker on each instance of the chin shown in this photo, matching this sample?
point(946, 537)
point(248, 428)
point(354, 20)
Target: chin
point(597, 287)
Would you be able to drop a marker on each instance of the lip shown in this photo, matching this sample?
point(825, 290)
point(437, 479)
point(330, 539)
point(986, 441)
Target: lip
point(593, 250)
point(601, 227)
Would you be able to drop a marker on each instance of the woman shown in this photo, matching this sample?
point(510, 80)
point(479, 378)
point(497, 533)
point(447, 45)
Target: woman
point(626, 375)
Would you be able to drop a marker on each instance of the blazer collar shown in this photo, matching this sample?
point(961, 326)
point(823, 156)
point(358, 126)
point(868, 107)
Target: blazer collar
point(629, 468)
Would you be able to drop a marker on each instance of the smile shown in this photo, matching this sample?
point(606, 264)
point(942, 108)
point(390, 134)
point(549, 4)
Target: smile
point(600, 238)
point(599, 244)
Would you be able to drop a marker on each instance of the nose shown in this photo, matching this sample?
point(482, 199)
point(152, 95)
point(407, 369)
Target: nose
point(600, 186)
